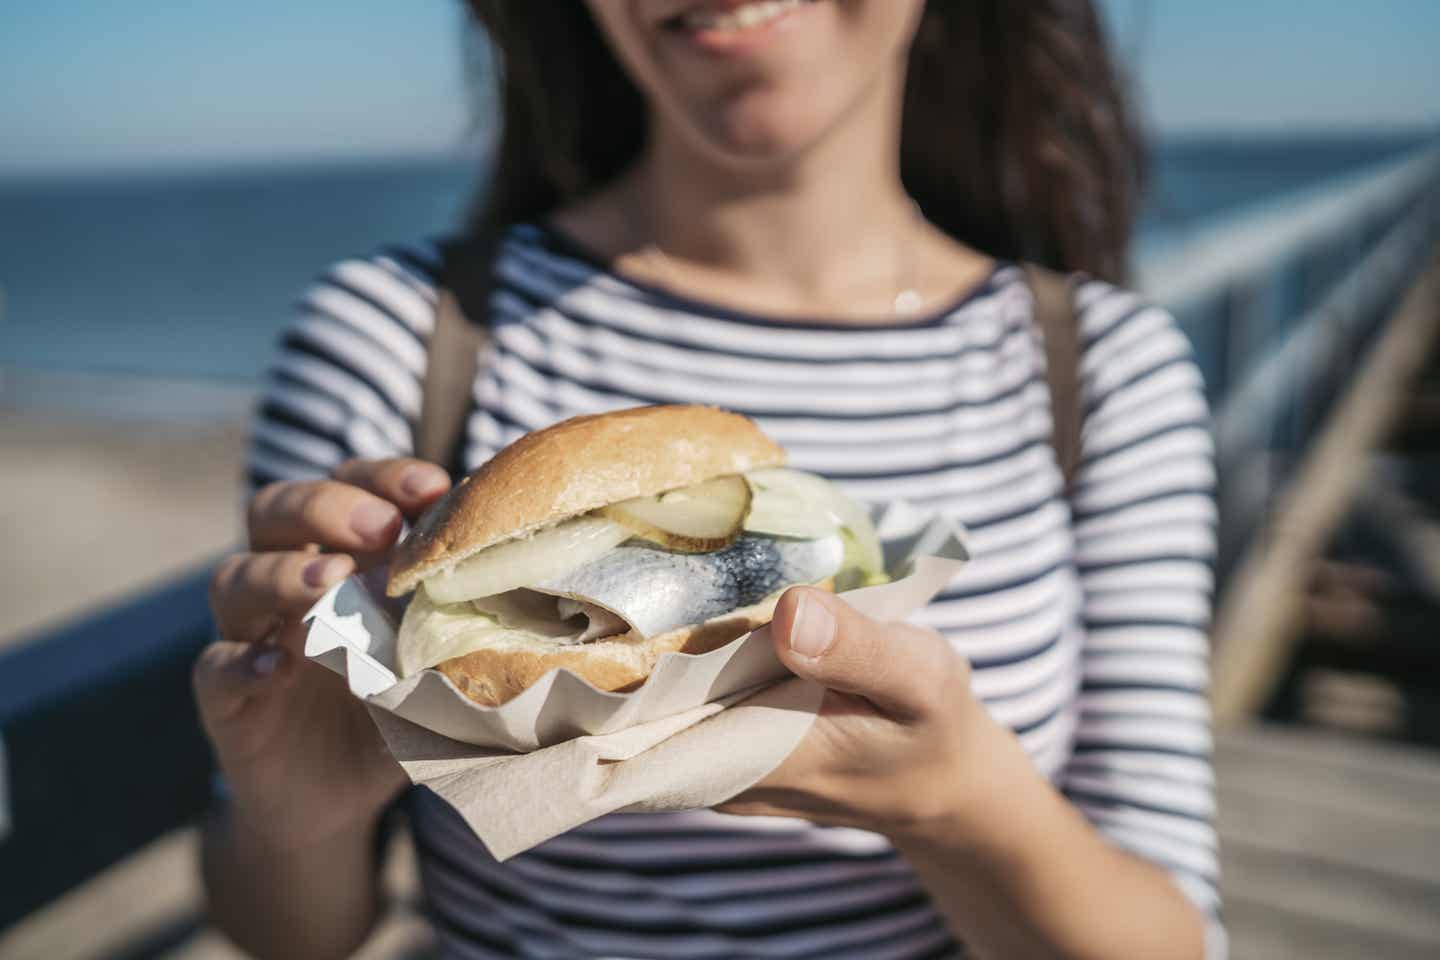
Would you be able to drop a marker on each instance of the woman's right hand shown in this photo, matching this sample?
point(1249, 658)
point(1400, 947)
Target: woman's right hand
point(301, 757)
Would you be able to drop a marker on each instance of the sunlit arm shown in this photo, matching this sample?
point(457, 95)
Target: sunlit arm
point(902, 747)
point(1018, 872)
point(314, 903)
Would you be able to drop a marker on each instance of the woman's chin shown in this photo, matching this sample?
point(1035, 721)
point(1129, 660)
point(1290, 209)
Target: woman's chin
point(760, 138)
point(757, 150)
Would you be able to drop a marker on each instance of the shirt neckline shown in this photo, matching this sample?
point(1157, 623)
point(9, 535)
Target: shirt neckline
point(558, 241)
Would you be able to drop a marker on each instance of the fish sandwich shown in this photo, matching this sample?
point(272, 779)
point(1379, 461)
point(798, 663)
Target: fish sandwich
point(600, 543)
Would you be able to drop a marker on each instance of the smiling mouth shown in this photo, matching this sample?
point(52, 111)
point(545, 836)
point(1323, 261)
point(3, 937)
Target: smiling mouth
point(749, 16)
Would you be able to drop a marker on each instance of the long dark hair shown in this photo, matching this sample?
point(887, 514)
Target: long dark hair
point(1017, 136)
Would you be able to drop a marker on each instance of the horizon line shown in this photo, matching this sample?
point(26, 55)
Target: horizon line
point(164, 166)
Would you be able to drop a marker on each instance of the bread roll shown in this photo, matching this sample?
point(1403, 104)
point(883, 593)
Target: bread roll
point(552, 475)
point(574, 467)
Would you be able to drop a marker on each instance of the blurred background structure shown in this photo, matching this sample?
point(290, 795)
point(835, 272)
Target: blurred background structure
point(171, 174)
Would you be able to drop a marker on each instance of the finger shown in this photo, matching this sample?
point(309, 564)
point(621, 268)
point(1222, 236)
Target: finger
point(412, 485)
point(291, 638)
point(251, 594)
point(228, 675)
point(338, 516)
point(903, 669)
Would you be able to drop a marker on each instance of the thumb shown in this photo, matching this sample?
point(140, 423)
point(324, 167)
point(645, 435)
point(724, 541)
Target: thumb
point(902, 669)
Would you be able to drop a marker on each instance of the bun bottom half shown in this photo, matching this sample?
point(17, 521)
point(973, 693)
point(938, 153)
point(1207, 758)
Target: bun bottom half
point(493, 675)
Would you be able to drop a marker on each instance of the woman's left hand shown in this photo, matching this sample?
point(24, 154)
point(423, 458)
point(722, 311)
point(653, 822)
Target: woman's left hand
point(903, 748)
point(898, 728)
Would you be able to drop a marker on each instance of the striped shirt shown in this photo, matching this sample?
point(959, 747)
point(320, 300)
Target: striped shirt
point(1084, 619)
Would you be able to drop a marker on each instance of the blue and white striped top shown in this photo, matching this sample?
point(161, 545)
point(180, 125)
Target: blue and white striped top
point(1085, 622)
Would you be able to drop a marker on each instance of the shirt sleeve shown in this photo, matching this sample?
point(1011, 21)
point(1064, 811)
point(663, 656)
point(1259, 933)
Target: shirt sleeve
point(1145, 530)
point(345, 380)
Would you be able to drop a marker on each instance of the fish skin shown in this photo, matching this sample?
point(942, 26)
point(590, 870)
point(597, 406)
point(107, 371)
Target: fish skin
point(655, 590)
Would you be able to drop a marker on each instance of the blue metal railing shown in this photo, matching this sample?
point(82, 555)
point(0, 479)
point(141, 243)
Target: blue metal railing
point(103, 747)
point(1279, 302)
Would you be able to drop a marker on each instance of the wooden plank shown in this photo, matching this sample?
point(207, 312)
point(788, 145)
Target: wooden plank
point(403, 935)
point(1330, 845)
point(107, 911)
point(1257, 626)
point(151, 904)
point(1265, 933)
point(1303, 825)
point(1277, 754)
point(1369, 904)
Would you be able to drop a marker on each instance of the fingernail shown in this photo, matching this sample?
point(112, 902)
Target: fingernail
point(813, 630)
point(372, 520)
point(423, 479)
point(324, 571)
point(267, 662)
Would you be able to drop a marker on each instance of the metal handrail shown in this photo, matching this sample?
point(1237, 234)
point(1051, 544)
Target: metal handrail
point(1279, 301)
point(1257, 240)
point(103, 745)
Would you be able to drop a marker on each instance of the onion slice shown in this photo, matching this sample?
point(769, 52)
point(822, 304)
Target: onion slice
point(793, 503)
point(696, 519)
point(546, 555)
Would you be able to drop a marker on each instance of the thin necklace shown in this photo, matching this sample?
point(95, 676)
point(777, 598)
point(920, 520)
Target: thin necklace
point(908, 298)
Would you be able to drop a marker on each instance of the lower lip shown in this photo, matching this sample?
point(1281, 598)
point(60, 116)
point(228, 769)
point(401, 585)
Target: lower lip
point(731, 42)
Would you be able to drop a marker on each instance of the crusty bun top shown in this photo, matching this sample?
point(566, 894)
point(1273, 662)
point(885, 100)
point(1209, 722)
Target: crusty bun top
point(573, 467)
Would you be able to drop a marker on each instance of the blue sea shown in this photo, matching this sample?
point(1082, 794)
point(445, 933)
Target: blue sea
point(193, 275)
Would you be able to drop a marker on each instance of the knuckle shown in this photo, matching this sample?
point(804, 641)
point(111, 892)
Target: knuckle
point(223, 580)
point(206, 666)
point(315, 505)
point(389, 472)
point(283, 576)
point(886, 672)
point(272, 581)
point(264, 502)
point(383, 477)
point(959, 673)
point(952, 681)
point(350, 467)
point(938, 664)
point(267, 569)
point(866, 652)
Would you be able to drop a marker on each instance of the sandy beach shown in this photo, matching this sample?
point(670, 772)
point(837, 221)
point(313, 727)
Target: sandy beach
point(111, 485)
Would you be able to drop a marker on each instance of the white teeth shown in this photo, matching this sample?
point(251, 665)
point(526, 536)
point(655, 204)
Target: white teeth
point(747, 17)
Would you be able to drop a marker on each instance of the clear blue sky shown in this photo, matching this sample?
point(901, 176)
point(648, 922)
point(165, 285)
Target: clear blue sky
point(101, 83)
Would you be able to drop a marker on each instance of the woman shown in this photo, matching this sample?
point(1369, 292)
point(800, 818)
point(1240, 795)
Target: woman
point(808, 212)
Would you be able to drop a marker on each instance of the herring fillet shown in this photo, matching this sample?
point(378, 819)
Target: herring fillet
point(656, 590)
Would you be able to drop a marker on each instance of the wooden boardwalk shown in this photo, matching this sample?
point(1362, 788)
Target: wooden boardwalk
point(1330, 846)
point(1330, 851)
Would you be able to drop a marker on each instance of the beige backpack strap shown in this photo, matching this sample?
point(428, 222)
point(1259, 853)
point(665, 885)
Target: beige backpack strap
point(1054, 295)
point(453, 357)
